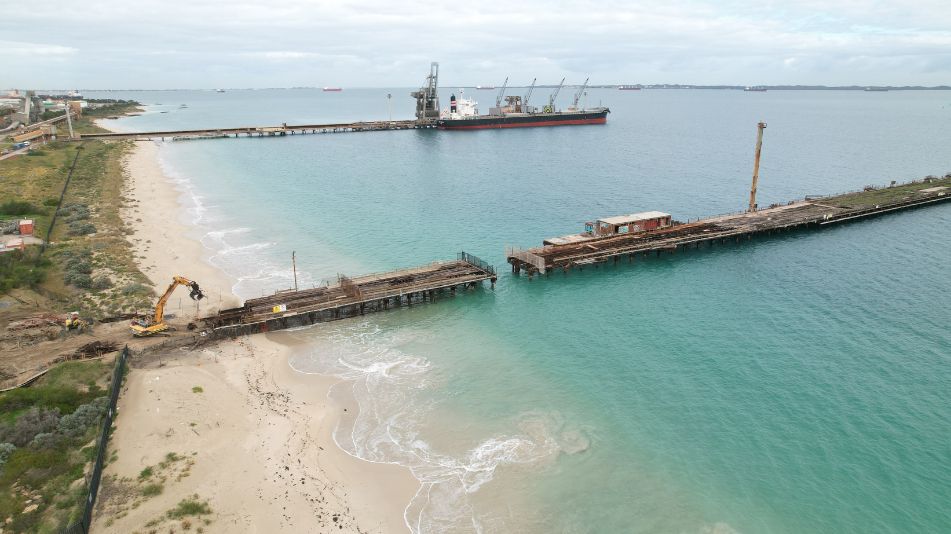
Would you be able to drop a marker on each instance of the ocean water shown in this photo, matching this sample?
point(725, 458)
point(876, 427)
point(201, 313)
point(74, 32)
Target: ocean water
point(793, 384)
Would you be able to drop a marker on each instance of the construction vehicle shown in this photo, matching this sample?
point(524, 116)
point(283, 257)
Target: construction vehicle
point(147, 326)
point(73, 322)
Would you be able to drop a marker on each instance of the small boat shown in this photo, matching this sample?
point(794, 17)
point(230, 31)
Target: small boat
point(219, 90)
point(332, 89)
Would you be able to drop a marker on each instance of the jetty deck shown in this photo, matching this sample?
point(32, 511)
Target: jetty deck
point(810, 213)
point(349, 297)
point(264, 131)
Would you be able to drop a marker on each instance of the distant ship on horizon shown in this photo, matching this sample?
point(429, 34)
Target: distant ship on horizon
point(629, 87)
point(332, 89)
point(485, 87)
point(755, 89)
point(876, 89)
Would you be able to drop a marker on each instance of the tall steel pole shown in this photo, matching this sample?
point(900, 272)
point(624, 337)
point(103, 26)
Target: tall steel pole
point(759, 148)
point(294, 263)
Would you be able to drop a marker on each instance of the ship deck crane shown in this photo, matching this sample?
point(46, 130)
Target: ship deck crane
point(498, 99)
point(528, 94)
point(148, 326)
point(574, 103)
point(554, 95)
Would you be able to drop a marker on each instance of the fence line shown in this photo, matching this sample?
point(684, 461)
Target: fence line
point(59, 205)
point(92, 483)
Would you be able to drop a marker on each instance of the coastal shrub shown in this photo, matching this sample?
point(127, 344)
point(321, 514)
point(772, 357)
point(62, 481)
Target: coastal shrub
point(17, 207)
point(197, 389)
point(30, 423)
point(51, 202)
point(146, 473)
point(136, 289)
point(80, 280)
point(22, 268)
point(81, 229)
point(151, 490)
point(79, 265)
point(188, 507)
point(46, 440)
point(101, 282)
point(76, 424)
point(6, 449)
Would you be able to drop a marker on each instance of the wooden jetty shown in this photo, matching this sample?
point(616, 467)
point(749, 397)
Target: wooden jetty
point(265, 131)
point(350, 297)
point(590, 249)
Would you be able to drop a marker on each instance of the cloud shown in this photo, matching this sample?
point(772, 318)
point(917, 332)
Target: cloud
point(384, 43)
point(17, 48)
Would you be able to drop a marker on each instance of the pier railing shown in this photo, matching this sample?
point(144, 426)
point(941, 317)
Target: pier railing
point(477, 261)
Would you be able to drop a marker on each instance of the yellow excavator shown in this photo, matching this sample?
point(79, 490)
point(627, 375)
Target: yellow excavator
point(147, 326)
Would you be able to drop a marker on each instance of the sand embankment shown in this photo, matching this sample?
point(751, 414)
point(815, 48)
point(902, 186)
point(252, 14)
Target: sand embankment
point(250, 436)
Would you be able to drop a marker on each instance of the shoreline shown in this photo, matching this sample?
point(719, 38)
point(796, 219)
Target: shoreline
point(286, 410)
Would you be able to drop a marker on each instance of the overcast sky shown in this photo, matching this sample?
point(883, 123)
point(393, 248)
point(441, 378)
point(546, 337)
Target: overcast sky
point(376, 43)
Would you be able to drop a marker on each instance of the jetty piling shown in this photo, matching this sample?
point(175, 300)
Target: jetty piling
point(350, 297)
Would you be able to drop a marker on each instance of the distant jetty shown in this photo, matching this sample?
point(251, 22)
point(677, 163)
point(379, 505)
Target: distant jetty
point(613, 238)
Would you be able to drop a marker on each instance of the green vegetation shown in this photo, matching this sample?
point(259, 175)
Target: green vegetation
point(189, 507)
point(19, 208)
point(118, 496)
point(88, 223)
point(884, 195)
point(43, 432)
point(23, 268)
point(197, 389)
point(151, 490)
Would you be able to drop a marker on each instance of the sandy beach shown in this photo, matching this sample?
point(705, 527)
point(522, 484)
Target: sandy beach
point(230, 425)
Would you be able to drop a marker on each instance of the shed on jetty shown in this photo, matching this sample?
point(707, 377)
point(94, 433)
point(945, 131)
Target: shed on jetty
point(644, 221)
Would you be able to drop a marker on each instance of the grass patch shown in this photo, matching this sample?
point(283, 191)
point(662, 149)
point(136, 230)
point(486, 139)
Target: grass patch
point(197, 389)
point(151, 490)
point(191, 506)
point(146, 473)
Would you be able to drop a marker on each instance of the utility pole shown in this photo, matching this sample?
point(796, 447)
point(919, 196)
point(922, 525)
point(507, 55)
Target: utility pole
point(759, 147)
point(294, 263)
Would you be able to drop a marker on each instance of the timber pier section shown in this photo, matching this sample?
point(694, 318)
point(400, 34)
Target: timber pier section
point(810, 213)
point(350, 297)
point(264, 131)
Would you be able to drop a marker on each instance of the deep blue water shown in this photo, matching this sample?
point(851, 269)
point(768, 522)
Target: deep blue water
point(793, 384)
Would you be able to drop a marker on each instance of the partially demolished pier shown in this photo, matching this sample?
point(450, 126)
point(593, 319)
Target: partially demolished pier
point(350, 297)
point(590, 248)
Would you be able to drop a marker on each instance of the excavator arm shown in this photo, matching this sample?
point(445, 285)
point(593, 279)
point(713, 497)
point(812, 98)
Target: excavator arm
point(143, 328)
point(195, 294)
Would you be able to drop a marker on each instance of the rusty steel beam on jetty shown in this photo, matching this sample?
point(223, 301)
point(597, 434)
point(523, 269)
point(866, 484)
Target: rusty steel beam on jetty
point(350, 297)
point(265, 131)
point(811, 213)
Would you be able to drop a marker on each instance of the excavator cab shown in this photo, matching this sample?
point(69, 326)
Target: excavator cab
point(147, 326)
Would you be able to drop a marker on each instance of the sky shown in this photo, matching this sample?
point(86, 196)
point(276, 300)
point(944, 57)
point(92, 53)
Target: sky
point(145, 44)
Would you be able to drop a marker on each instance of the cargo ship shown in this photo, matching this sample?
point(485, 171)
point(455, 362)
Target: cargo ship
point(755, 89)
point(629, 87)
point(463, 114)
point(332, 89)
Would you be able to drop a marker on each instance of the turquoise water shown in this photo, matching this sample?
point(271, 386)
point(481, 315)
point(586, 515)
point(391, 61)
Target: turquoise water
point(793, 384)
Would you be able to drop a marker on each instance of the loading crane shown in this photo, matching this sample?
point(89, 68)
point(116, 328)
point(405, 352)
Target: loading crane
point(574, 103)
point(498, 99)
point(427, 97)
point(147, 326)
point(550, 108)
point(528, 94)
